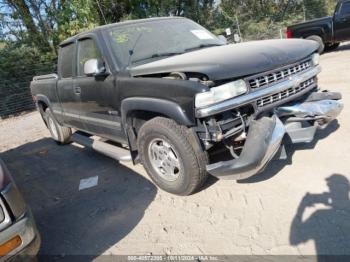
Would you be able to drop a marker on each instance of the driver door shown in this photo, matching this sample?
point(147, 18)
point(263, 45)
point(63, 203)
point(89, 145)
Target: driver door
point(98, 94)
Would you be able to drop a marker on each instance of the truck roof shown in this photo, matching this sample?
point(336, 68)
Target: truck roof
point(129, 22)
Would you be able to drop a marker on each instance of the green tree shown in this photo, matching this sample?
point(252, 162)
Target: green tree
point(44, 23)
point(315, 8)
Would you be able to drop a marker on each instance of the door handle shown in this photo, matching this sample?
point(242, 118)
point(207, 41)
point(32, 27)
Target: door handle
point(77, 90)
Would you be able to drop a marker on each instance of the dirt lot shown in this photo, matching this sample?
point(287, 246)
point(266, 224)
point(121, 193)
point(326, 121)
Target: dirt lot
point(126, 214)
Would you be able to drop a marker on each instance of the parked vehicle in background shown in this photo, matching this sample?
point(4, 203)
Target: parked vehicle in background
point(18, 233)
point(183, 103)
point(328, 32)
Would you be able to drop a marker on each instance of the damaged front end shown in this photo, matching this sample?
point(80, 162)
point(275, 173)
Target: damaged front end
point(299, 121)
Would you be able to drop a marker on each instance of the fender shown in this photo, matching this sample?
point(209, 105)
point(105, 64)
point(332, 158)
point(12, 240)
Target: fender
point(156, 105)
point(314, 31)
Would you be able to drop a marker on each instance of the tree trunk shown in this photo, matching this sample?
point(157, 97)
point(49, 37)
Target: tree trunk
point(24, 11)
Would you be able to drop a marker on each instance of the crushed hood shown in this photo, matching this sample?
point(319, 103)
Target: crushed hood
point(232, 61)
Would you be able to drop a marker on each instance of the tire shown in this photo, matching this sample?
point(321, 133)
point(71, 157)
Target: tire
point(60, 134)
point(319, 40)
point(331, 47)
point(172, 156)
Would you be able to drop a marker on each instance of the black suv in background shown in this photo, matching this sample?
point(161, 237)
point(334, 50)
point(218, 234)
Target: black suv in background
point(328, 32)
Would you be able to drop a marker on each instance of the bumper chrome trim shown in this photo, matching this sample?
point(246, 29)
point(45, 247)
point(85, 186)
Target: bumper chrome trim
point(320, 112)
point(328, 109)
point(251, 97)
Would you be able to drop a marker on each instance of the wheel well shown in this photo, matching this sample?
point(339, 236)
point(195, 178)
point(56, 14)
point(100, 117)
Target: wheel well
point(315, 34)
point(42, 106)
point(135, 120)
point(138, 117)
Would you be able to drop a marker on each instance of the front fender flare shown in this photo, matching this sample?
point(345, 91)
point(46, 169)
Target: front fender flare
point(155, 105)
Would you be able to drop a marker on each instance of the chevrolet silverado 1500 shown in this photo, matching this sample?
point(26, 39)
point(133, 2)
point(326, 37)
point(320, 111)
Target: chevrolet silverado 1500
point(177, 99)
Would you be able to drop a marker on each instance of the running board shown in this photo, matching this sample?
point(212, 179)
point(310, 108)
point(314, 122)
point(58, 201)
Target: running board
point(115, 152)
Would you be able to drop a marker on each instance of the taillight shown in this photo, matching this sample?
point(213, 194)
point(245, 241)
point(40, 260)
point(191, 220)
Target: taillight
point(289, 33)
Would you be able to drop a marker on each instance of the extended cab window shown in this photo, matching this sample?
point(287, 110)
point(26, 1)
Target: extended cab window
point(66, 61)
point(345, 9)
point(87, 49)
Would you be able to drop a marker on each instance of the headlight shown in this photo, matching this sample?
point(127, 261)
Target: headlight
point(316, 59)
point(221, 93)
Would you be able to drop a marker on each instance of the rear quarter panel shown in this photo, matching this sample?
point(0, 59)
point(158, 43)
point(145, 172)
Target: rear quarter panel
point(322, 27)
point(46, 92)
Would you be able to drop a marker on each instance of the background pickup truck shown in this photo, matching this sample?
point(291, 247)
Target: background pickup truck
point(169, 94)
point(329, 32)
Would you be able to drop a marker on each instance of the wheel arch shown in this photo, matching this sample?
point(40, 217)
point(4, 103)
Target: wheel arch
point(42, 103)
point(157, 106)
point(145, 108)
point(317, 31)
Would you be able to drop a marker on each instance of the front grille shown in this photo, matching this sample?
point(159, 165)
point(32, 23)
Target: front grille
point(273, 77)
point(270, 99)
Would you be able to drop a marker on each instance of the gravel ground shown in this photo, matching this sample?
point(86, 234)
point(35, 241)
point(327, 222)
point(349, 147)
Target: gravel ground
point(296, 206)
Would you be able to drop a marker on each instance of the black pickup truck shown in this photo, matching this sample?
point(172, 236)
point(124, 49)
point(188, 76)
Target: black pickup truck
point(167, 93)
point(328, 32)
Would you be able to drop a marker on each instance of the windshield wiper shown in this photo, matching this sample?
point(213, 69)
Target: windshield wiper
point(166, 54)
point(158, 55)
point(201, 46)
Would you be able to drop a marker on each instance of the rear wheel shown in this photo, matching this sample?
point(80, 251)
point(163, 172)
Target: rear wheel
point(319, 40)
point(172, 156)
point(60, 134)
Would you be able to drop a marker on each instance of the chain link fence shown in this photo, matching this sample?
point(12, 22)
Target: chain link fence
point(15, 96)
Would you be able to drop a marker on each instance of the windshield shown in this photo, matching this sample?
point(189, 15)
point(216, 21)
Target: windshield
point(141, 43)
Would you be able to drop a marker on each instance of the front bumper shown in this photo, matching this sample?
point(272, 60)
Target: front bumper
point(299, 122)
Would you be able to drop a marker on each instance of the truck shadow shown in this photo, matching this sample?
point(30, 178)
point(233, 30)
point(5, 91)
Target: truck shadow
point(276, 166)
point(343, 47)
point(73, 222)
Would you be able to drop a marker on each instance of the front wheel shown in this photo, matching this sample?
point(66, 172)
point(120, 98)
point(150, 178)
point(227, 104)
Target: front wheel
point(172, 156)
point(60, 134)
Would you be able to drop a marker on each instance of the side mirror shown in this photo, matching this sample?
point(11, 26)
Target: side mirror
point(94, 67)
point(223, 39)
